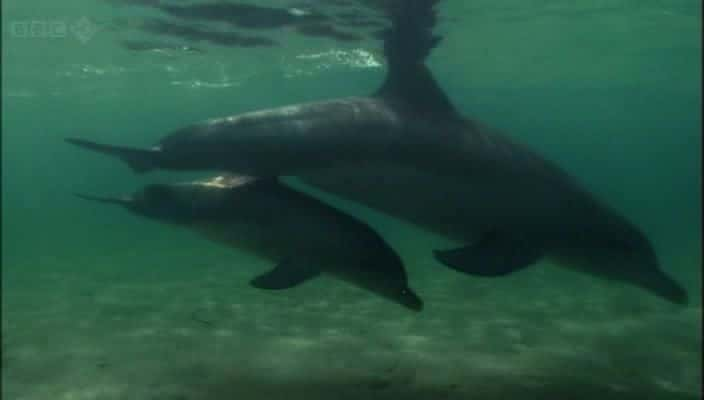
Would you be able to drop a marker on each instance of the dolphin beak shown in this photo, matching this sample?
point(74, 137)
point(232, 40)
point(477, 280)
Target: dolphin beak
point(124, 201)
point(411, 300)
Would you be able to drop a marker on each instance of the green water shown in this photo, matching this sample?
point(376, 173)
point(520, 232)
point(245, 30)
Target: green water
point(99, 304)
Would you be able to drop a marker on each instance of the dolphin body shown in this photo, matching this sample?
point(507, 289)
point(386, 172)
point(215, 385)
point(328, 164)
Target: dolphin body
point(407, 151)
point(304, 236)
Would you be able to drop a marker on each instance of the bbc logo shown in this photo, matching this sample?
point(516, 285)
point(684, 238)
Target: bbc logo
point(39, 29)
point(82, 29)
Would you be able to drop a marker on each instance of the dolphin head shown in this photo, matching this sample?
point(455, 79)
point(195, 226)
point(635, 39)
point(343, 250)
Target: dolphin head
point(642, 268)
point(627, 255)
point(407, 298)
point(392, 284)
point(399, 294)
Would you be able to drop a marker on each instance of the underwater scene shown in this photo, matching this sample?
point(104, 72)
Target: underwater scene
point(351, 199)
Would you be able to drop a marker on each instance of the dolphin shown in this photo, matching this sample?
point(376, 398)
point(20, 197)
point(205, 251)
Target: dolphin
point(306, 137)
point(408, 151)
point(507, 225)
point(303, 236)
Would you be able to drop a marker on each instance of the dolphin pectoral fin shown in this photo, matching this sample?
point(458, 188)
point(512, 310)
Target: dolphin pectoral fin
point(284, 276)
point(492, 256)
point(139, 160)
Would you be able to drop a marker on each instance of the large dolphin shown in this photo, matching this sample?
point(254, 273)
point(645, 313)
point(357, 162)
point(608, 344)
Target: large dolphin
point(460, 177)
point(306, 137)
point(304, 236)
point(508, 223)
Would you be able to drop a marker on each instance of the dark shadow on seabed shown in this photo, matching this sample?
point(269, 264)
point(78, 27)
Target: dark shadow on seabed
point(228, 385)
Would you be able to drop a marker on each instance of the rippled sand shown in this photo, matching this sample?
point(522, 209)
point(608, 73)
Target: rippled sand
point(204, 334)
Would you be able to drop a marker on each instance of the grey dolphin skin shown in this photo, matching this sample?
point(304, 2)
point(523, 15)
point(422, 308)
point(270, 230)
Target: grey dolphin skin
point(270, 142)
point(407, 151)
point(304, 236)
point(508, 224)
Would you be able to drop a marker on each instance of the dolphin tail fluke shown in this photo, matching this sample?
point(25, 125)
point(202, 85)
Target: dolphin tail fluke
point(491, 256)
point(139, 160)
point(286, 275)
point(106, 200)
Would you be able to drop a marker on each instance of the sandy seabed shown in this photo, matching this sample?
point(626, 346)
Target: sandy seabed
point(204, 334)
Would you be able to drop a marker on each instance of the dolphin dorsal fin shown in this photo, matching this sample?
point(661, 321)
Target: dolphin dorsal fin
point(407, 43)
point(416, 89)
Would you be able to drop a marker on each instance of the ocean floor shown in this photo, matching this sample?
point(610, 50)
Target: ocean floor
point(110, 328)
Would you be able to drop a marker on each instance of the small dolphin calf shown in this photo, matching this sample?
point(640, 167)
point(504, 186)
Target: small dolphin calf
point(303, 235)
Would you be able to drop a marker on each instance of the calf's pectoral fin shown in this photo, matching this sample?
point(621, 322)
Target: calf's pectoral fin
point(492, 255)
point(287, 274)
